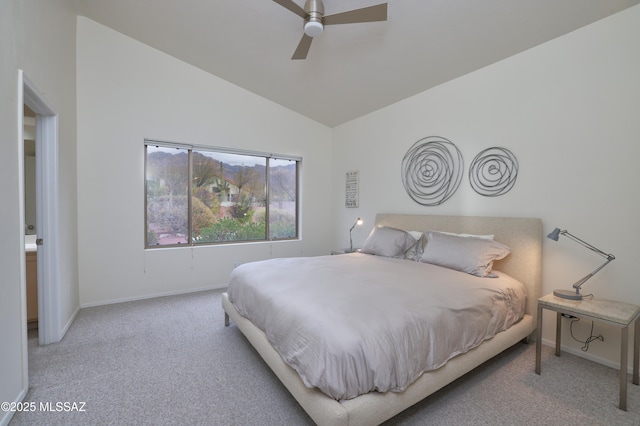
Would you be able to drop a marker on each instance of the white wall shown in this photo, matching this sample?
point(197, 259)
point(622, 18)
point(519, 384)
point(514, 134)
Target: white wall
point(127, 92)
point(568, 110)
point(39, 37)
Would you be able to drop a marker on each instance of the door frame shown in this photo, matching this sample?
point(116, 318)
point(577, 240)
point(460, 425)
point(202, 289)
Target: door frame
point(50, 329)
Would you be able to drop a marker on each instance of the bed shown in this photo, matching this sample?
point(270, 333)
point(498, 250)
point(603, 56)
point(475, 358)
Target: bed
point(521, 235)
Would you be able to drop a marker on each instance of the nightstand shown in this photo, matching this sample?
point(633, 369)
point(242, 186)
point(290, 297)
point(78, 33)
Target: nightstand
point(613, 313)
point(343, 251)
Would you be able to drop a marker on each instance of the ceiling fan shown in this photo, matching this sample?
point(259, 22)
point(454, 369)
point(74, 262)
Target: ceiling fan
point(314, 20)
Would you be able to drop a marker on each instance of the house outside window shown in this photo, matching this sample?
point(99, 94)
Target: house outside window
point(198, 195)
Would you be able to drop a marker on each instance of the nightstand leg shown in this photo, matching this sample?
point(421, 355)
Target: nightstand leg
point(624, 347)
point(636, 350)
point(539, 339)
point(558, 332)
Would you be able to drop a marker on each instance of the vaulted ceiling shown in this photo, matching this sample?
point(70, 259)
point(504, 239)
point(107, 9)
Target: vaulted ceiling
point(351, 69)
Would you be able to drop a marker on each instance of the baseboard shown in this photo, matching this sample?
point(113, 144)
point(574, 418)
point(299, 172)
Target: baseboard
point(582, 354)
point(68, 324)
point(151, 296)
point(8, 415)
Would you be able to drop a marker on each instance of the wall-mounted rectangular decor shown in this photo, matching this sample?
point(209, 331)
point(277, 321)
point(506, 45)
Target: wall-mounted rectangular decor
point(351, 189)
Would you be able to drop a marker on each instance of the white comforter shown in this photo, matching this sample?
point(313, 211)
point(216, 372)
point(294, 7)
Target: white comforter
point(355, 323)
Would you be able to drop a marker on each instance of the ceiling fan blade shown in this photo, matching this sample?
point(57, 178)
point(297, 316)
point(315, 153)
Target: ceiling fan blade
point(366, 14)
point(303, 47)
point(289, 4)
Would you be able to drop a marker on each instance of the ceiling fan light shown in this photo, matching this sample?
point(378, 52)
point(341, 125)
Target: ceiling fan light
point(313, 28)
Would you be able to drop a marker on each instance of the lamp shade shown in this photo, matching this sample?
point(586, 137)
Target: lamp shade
point(554, 235)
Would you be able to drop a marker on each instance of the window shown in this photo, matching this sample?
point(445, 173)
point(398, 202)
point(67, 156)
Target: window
point(201, 195)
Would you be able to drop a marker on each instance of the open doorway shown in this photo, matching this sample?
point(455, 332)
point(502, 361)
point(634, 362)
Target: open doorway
point(30, 217)
point(46, 206)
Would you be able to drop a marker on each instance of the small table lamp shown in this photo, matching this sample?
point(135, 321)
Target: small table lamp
point(568, 294)
point(357, 222)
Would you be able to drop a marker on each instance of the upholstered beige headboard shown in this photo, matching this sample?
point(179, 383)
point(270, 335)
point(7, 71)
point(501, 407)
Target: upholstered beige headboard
point(522, 235)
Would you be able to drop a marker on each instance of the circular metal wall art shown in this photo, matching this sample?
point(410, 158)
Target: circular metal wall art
point(432, 170)
point(493, 172)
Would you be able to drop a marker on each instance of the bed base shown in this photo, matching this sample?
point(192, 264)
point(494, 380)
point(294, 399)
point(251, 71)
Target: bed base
point(372, 408)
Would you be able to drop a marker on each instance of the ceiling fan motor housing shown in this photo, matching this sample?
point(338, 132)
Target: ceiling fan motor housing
point(313, 25)
point(315, 20)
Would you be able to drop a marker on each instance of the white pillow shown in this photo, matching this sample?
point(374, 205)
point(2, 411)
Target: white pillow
point(388, 242)
point(472, 255)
